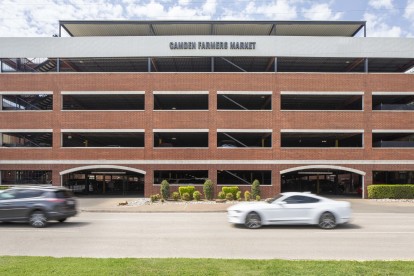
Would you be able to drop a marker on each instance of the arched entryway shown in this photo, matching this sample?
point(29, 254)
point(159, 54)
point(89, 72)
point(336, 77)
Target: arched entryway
point(104, 180)
point(324, 180)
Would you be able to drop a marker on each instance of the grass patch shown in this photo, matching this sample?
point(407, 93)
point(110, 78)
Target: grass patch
point(128, 266)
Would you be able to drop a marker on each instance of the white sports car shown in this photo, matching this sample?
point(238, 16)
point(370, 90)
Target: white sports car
point(291, 208)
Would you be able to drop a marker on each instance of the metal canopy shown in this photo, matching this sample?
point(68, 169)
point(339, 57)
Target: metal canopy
point(235, 64)
point(239, 28)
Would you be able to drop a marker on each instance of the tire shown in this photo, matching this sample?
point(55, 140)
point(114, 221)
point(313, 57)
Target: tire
point(38, 219)
point(253, 220)
point(327, 221)
point(62, 220)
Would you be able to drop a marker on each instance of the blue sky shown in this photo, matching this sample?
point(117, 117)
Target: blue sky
point(34, 18)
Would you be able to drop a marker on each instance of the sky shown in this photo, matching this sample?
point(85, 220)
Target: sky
point(40, 18)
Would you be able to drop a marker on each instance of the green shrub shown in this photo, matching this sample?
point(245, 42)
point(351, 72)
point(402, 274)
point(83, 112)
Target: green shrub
point(186, 189)
point(208, 189)
point(255, 188)
point(186, 197)
point(155, 197)
point(247, 196)
point(391, 191)
point(175, 196)
point(238, 195)
point(197, 195)
point(257, 198)
point(165, 189)
point(229, 196)
point(231, 189)
point(221, 195)
point(4, 187)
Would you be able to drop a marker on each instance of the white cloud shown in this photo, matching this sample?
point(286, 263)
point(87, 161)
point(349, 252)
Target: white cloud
point(41, 17)
point(184, 2)
point(378, 4)
point(376, 27)
point(321, 11)
point(277, 10)
point(157, 10)
point(409, 11)
point(210, 7)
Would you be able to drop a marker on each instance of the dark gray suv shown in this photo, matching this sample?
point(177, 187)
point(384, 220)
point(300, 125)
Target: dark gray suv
point(37, 205)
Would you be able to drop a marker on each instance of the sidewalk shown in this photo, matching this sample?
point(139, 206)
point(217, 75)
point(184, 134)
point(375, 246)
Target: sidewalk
point(112, 205)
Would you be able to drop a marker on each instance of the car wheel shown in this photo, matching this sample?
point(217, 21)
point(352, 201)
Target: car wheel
point(38, 219)
point(62, 220)
point(327, 221)
point(253, 220)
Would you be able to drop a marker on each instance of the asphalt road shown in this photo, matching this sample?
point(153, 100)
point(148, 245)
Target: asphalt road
point(370, 236)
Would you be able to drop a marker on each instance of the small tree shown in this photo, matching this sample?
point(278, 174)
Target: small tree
point(165, 189)
point(208, 189)
point(255, 188)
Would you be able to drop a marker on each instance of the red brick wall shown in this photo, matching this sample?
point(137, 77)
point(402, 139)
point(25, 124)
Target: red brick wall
point(211, 119)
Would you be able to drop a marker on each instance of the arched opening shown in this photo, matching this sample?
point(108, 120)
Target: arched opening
point(323, 180)
point(104, 180)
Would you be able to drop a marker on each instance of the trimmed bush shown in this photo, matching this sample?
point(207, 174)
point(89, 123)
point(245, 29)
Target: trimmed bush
point(238, 195)
point(221, 195)
point(175, 196)
point(395, 191)
point(229, 196)
point(186, 189)
point(155, 197)
point(197, 195)
point(231, 189)
point(165, 189)
point(247, 195)
point(208, 189)
point(255, 188)
point(257, 198)
point(4, 187)
point(186, 197)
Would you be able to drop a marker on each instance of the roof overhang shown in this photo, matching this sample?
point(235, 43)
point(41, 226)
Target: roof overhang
point(172, 28)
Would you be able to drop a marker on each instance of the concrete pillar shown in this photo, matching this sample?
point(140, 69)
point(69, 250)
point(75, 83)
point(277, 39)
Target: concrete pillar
point(275, 65)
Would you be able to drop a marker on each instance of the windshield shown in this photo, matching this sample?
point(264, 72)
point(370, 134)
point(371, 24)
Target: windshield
point(271, 200)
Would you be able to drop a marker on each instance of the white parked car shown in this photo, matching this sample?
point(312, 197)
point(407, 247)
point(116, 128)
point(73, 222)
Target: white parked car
point(291, 208)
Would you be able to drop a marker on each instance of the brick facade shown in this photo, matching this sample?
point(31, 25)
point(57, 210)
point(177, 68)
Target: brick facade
point(212, 120)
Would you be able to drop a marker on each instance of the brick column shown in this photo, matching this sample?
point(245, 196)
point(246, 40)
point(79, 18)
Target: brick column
point(56, 178)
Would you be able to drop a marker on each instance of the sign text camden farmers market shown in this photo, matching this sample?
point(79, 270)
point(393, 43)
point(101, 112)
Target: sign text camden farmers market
point(191, 45)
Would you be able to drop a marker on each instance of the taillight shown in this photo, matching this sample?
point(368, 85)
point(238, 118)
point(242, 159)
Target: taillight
point(56, 200)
